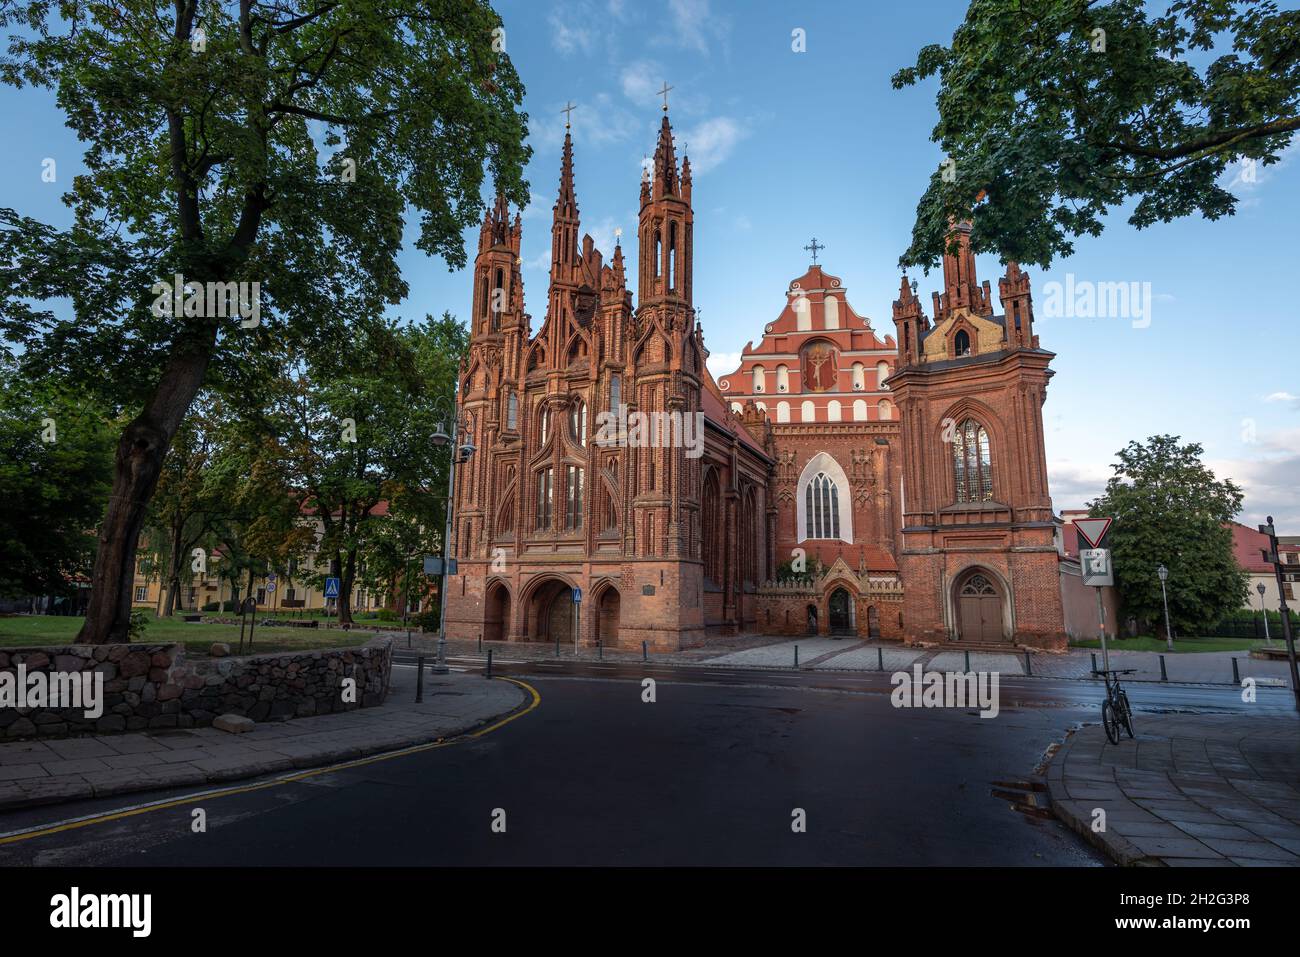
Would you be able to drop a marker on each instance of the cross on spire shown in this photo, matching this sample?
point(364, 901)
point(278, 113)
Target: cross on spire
point(568, 109)
point(814, 246)
point(664, 94)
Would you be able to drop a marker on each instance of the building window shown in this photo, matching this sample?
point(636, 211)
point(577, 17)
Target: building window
point(142, 594)
point(512, 411)
point(972, 467)
point(783, 412)
point(759, 377)
point(546, 424)
point(859, 377)
point(545, 496)
point(782, 378)
point(573, 493)
point(615, 393)
point(885, 409)
point(882, 373)
point(961, 343)
point(261, 596)
point(822, 508)
point(578, 422)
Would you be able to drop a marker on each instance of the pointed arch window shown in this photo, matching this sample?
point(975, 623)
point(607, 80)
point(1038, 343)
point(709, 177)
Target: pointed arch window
point(574, 488)
point(615, 393)
point(961, 343)
point(545, 497)
point(822, 508)
point(497, 303)
point(545, 420)
point(578, 422)
point(971, 464)
point(512, 411)
point(672, 255)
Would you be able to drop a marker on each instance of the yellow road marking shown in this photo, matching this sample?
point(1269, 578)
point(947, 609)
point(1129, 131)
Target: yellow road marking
point(76, 823)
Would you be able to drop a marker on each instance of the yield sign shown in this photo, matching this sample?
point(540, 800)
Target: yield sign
point(1092, 530)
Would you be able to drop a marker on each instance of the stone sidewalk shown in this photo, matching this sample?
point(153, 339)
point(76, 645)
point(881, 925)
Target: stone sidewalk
point(1190, 790)
point(69, 769)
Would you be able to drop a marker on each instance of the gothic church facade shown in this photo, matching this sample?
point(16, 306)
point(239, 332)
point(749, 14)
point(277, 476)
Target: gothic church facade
point(838, 482)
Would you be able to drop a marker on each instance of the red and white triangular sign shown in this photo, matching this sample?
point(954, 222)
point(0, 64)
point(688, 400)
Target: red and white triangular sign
point(1092, 530)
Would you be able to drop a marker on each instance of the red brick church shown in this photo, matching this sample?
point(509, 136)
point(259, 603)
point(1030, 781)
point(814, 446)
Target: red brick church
point(836, 483)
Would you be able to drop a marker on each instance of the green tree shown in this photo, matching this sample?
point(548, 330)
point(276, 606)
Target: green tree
point(1057, 110)
point(281, 144)
point(1170, 510)
point(355, 429)
point(56, 452)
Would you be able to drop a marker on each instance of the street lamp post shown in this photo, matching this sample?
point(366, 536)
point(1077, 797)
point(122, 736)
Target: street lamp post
point(1264, 608)
point(1164, 597)
point(459, 455)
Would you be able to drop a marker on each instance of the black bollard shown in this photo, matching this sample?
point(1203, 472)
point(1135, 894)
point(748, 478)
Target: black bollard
point(1029, 670)
point(1163, 675)
point(967, 662)
point(645, 652)
point(419, 680)
point(880, 659)
point(488, 673)
point(1236, 675)
point(1094, 662)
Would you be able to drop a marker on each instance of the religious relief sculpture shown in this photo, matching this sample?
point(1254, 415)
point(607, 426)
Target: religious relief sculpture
point(819, 371)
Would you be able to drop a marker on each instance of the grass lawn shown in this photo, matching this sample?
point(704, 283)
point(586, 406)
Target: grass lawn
point(17, 631)
point(1150, 643)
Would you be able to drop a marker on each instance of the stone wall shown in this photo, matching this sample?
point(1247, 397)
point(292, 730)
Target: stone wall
point(151, 686)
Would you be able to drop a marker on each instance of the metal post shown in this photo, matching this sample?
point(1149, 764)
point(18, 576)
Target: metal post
point(880, 659)
point(1029, 669)
point(600, 649)
point(1236, 675)
point(440, 668)
point(645, 652)
point(480, 643)
point(1286, 612)
point(1268, 642)
point(1169, 635)
point(796, 656)
point(1164, 675)
point(577, 625)
point(967, 662)
point(1101, 621)
point(1094, 662)
point(419, 680)
point(488, 673)
point(557, 644)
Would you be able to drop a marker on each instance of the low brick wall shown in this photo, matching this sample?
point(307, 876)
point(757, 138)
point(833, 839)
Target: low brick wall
point(148, 686)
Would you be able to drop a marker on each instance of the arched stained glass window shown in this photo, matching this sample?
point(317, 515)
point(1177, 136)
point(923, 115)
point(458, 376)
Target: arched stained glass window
point(822, 508)
point(972, 467)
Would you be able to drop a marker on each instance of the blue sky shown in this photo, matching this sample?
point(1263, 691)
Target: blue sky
point(787, 146)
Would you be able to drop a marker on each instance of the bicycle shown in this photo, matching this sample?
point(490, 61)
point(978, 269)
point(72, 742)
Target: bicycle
point(1115, 710)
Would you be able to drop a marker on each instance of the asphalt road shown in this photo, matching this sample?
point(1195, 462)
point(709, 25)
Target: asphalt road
point(711, 773)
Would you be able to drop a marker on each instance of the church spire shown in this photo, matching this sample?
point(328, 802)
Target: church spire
point(665, 166)
point(566, 205)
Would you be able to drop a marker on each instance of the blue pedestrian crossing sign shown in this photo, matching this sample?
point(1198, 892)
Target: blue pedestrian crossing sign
point(331, 588)
point(577, 596)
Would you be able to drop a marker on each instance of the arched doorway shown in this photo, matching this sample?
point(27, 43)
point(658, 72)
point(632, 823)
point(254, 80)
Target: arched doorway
point(840, 612)
point(496, 613)
point(979, 602)
point(550, 612)
point(607, 612)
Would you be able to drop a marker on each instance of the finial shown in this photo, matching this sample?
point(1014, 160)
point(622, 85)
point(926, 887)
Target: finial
point(567, 111)
point(814, 246)
point(664, 94)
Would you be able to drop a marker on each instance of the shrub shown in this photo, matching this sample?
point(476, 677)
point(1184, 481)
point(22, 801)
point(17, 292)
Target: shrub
point(136, 629)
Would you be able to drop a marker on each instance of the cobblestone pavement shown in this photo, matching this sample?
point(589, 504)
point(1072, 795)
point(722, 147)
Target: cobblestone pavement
point(57, 770)
point(1190, 790)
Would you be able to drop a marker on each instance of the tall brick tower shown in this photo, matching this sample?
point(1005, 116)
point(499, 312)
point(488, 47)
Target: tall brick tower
point(663, 533)
point(979, 563)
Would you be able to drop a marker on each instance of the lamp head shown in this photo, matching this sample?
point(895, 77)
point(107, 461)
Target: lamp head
point(1162, 572)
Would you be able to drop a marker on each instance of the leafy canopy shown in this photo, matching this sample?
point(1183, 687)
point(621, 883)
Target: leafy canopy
point(1058, 110)
point(1170, 509)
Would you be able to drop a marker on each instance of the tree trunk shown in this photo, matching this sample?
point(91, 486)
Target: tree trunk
point(347, 576)
point(136, 468)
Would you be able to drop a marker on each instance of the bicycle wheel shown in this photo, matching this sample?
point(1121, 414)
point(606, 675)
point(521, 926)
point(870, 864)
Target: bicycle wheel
point(1126, 713)
point(1109, 721)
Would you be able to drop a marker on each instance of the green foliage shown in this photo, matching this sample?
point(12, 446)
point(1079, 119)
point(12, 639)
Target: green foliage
point(814, 569)
point(1055, 131)
point(1170, 509)
point(139, 625)
point(52, 493)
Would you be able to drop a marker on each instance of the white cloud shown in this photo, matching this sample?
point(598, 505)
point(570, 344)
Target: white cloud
point(641, 80)
point(1073, 484)
point(695, 24)
point(571, 37)
point(1281, 397)
point(723, 363)
point(596, 121)
point(711, 142)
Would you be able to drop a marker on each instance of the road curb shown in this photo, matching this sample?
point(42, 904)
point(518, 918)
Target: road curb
point(1078, 818)
point(67, 791)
